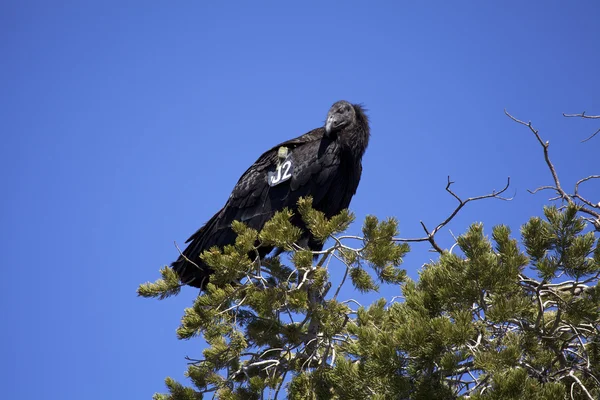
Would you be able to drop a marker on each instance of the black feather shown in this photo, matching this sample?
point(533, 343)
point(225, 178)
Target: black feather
point(326, 165)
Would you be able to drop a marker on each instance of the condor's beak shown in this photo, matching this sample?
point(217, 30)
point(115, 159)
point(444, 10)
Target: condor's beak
point(332, 122)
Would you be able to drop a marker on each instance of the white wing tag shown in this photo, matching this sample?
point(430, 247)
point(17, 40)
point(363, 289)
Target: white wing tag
point(284, 169)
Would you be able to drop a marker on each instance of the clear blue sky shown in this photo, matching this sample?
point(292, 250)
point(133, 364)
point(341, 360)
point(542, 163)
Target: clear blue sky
point(125, 126)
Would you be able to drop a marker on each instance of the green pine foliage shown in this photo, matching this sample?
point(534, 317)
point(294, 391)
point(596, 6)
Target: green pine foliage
point(168, 285)
point(495, 317)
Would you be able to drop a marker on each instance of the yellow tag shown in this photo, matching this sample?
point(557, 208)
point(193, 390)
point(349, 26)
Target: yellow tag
point(282, 152)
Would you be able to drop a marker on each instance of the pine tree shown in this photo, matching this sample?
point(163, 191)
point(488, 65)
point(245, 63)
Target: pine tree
point(497, 316)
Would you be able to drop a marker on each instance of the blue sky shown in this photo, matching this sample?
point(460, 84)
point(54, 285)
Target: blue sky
point(125, 125)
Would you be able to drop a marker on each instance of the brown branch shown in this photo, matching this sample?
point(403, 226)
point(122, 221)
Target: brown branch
point(582, 115)
point(540, 189)
point(191, 262)
point(558, 188)
point(431, 234)
point(184, 257)
point(430, 238)
point(585, 179)
point(578, 196)
point(593, 134)
point(545, 146)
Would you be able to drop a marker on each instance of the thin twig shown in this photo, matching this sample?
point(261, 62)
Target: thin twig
point(582, 115)
point(431, 234)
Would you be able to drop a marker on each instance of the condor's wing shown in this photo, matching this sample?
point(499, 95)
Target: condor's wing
point(253, 201)
point(314, 163)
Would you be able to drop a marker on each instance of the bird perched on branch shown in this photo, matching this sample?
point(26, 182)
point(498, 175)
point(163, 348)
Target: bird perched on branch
point(325, 163)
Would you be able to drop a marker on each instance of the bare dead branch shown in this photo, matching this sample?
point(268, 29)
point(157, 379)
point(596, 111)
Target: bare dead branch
point(188, 260)
point(582, 115)
point(558, 188)
point(583, 180)
point(430, 238)
point(581, 198)
point(545, 146)
point(540, 189)
point(461, 203)
point(593, 134)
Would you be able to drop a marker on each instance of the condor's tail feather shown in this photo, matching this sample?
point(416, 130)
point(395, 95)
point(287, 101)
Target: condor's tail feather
point(190, 268)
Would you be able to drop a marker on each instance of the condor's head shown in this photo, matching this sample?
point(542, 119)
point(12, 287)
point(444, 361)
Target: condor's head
point(351, 122)
point(344, 115)
point(340, 116)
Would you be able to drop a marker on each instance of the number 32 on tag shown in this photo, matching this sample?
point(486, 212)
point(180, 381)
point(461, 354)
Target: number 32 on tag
point(282, 173)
